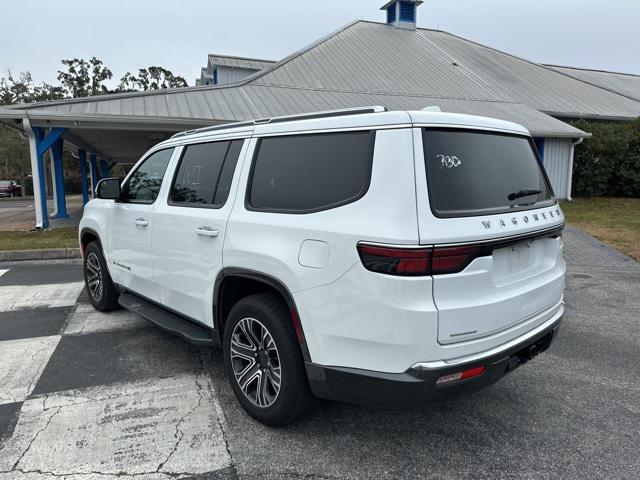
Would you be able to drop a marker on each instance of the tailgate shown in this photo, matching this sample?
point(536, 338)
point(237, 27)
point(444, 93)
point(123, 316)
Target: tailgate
point(495, 292)
point(486, 192)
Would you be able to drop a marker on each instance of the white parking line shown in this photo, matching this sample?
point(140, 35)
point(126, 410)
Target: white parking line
point(2, 272)
point(21, 364)
point(16, 297)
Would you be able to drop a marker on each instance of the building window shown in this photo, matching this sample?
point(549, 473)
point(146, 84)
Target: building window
point(215, 76)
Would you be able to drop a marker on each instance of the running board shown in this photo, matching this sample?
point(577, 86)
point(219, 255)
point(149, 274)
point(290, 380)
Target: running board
point(199, 335)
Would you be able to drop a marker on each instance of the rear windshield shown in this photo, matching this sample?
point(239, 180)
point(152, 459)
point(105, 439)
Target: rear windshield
point(478, 173)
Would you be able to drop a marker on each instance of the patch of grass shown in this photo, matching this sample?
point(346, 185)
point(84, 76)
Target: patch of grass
point(38, 240)
point(615, 221)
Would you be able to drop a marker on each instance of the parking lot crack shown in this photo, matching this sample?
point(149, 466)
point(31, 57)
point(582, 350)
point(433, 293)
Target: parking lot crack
point(34, 357)
point(179, 434)
point(96, 472)
point(35, 437)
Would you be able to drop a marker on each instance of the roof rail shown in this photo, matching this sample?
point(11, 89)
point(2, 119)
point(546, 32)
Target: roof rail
point(286, 118)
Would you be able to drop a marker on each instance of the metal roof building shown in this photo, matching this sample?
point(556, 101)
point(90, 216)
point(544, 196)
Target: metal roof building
point(622, 83)
point(364, 63)
point(224, 69)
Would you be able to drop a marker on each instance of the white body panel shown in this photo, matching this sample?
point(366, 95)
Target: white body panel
point(351, 317)
point(129, 244)
point(272, 243)
point(187, 254)
point(494, 293)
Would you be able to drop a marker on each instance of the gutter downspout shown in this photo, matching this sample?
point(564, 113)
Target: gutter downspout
point(570, 175)
point(36, 176)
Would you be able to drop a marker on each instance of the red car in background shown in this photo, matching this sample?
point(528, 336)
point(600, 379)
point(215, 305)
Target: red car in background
point(9, 188)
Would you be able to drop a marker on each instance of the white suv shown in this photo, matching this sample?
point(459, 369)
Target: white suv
point(388, 258)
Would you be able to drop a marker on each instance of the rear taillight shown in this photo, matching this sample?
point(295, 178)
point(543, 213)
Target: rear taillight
point(412, 262)
point(409, 262)
point(453, 259)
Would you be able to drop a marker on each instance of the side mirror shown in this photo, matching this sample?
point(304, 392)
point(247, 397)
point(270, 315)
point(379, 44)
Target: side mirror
point(108, 189)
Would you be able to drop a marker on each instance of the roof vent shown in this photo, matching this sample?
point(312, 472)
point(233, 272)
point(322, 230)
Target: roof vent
point(402, 13)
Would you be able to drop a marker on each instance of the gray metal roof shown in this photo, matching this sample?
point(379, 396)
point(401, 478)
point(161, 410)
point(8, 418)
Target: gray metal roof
point(364, 63)
point(374, 57)
point(239, 62)
point(204, 106)
point(625, 84)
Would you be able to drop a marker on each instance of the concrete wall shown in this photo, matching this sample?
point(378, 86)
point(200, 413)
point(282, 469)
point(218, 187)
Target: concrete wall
point(557, 161)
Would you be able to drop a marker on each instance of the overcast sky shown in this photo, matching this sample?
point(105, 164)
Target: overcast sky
point(178, 34)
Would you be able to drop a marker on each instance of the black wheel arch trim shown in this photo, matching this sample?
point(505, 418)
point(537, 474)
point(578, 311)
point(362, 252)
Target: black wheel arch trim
point(97, 235)
point(86, 230)
point(262, 278)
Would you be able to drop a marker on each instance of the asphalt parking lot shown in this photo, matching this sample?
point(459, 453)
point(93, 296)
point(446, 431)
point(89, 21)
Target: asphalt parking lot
point(18, 214)
point(90, 395)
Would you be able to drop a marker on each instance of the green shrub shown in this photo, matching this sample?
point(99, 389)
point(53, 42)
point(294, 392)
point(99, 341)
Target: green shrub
point(608, 164)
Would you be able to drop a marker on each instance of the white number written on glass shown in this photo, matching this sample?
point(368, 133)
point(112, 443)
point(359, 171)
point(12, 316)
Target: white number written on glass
point(449, 161)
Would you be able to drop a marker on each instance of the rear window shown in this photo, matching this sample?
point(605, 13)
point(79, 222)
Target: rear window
point(309, 173)
point(5, 183)
point(478, 173)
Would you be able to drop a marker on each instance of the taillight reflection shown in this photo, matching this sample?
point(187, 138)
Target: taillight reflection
point(396, 261)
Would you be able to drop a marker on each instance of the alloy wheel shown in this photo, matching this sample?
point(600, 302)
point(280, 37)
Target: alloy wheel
point(255, 362)
point(94, 277)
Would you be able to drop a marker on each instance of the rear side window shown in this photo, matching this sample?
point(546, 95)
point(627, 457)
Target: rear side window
point(204, 175)
point(478, 173)
point(309, 173)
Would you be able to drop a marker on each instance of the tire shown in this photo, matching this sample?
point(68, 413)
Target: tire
point(246, 323)
point(103, 295)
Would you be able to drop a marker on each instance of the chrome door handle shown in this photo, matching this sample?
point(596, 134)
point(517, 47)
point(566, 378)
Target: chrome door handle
point(141, 222)
point(207, 232)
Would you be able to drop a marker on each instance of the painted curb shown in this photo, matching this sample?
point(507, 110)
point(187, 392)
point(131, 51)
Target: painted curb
point(46, 254)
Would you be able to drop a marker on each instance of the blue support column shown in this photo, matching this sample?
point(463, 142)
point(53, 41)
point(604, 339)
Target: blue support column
point(104, 169)
point(57, 149)
point(94, 173)
point(82, 157)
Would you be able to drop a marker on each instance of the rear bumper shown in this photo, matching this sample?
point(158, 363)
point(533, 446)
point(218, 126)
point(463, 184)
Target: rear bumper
point(417, 386)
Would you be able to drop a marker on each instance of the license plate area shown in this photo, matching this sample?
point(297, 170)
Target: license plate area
point(521, 261)
point(529, 352)
point(520, 257)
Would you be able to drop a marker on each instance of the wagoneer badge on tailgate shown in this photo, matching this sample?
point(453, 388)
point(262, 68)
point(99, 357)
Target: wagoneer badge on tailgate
point(535, 217)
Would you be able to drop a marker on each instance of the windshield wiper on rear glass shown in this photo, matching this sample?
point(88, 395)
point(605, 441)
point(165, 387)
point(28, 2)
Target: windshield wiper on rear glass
point(523, 193)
